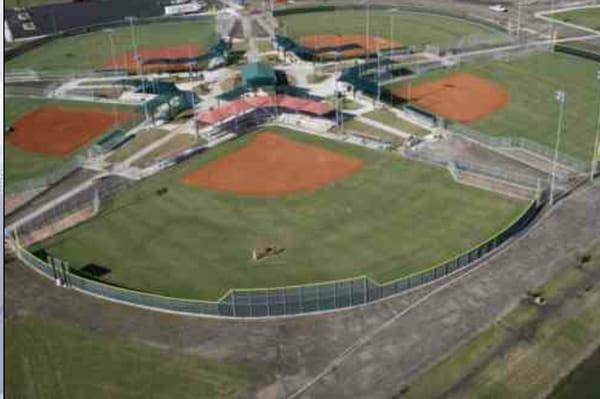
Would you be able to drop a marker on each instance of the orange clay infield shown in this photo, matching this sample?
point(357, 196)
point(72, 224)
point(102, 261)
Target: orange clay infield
point(60, 131)
point(272, 165)
point(128, 61)
point(357, 44)
point(460, 97)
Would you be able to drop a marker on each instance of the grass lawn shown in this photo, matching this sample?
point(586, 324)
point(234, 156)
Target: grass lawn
point(546, 343)
point(390, 119)
point(176, 143)
point(392, 218)
point(363, 128)
point(30, 3)
point(21, 165)
point(91, 50)
point(582, 382)
point(532, 109)
point(54, 360)
point(141, 140)
point(587, 17)
point(408, 29)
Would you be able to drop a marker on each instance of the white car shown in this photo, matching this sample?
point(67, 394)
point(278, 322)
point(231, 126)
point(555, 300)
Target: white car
point(498, 8)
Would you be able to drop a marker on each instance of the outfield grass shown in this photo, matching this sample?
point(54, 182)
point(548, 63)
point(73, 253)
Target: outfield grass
point(21, 165)
point(532, 109)
point(141, 140)
point(408, 29)
point(392, 218)
point(46, 359)
point(587, 17)
point(91, 50)
point(390, 119)
point(31, 3)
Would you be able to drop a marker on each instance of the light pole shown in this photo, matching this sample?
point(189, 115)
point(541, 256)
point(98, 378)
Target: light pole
point(561, 97)
point(110, 33)
point(596, 154)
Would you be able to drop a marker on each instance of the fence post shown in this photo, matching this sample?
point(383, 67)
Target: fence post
point(366, 295)
point(233, 303)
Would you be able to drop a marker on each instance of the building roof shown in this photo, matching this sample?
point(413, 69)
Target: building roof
point(259, 74)
point(243, 105)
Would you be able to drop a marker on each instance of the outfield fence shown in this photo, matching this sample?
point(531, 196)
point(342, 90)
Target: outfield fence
point(271, 302)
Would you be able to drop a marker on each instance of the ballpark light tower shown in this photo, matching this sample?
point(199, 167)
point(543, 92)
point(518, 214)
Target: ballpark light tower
point(561, 97)
point(596, 153)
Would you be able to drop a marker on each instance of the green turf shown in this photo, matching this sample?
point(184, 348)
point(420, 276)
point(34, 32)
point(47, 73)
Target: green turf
point(141, 140)
point(532, 109)
point(390, 119)
point(21, 165)
point(92, 50)
point(582, 382)
point(587, 17)
point(46, 359)
point(408, 29)
point(392, 218)
point(31, 3)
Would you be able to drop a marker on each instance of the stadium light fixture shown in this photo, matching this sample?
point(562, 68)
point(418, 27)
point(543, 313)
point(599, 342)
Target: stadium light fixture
point(561, 97)
point(596, 153)
point(110, 33)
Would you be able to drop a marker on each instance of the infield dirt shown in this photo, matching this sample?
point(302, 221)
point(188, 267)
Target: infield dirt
point(460, 97)
point(272, 166)
point(130, 62)
point(60, 131)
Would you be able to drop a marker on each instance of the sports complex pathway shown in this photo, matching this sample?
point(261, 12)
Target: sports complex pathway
point(414, 329)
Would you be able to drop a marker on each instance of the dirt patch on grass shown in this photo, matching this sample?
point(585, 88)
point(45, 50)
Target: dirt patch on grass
point(460, 97)
point(155, 55)
point(347, 45)
point(272, 165)
point(60, 131)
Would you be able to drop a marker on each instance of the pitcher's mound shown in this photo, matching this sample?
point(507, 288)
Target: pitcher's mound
point(272, 165)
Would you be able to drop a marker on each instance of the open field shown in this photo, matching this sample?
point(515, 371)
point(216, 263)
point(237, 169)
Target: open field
point(528, 349)
point(141, 140)
point(532, 109)
point(582, 382)
point(406, 29)
point(92, 50)
point(54, 360)
point(392, 218)
point(587, 17)
point(21, 165)
point(389, 118)
point(30, 3)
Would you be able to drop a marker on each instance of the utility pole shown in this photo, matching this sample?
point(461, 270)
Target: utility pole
point(110, 33)
point(596, 154)
point(561, 97)
point(519, 14)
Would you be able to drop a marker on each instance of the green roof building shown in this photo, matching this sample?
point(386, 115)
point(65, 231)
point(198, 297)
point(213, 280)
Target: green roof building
point(258, 74)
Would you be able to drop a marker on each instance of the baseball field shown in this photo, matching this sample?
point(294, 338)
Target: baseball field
point(402, 28)
point(530, 109)
point(47, 133)
point(92, 50)
point(330, 211)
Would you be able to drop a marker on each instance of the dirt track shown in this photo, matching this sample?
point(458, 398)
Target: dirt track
point(297, 349)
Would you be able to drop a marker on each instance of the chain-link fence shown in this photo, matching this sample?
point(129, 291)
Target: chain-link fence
point(522, 143)
point(282, 301)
